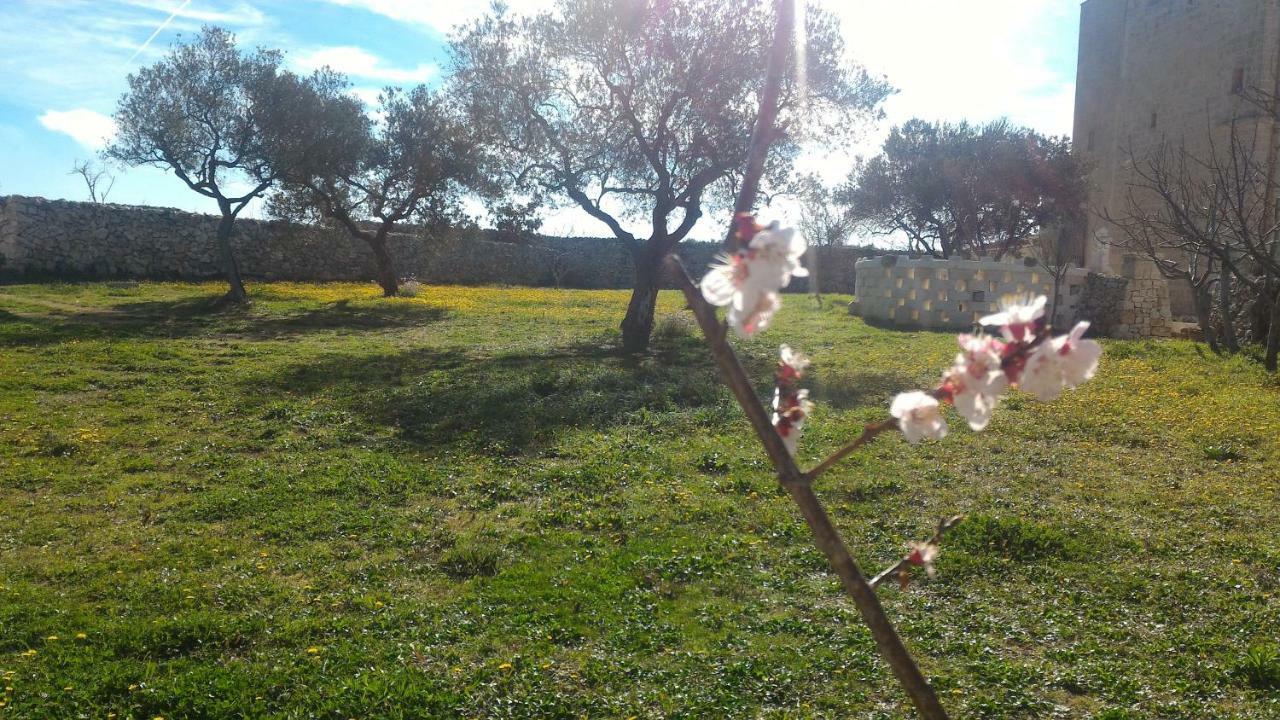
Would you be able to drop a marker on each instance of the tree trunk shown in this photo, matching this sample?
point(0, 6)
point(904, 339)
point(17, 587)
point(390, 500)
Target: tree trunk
point(1273, 336)
point(812, 267)
point(1200, 298)
point(637, 325)
point(236, 292)
point(387, 276)
point(1229, 338)
point(1057, 291)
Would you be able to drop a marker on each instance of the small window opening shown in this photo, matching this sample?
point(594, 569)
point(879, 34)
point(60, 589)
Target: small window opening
point(1237, 81)
point(1153, 120)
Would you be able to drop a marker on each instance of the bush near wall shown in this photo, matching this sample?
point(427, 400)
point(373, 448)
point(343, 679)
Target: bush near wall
point(65, 240)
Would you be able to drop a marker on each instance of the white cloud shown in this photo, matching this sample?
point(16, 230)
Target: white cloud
point(241, 14)
point(439, 15)
point(360, 63)
point(91, 129)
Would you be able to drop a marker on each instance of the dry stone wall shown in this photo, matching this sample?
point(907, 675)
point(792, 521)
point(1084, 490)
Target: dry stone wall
point(42, 238)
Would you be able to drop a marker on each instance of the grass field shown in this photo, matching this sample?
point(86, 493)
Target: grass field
point(466, 504)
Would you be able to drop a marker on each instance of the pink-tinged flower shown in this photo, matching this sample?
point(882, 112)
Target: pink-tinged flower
point(752, 318)
point(748, 281)
point(1061, 363)
point(977, 380)
point(781, 249)
point(918, 416)
point(792, 363)
point(1077, 356)
point(1018, 317)
point(923, 554)
point(790, 409)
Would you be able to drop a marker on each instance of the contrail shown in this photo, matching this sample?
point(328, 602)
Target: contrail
point(159, 30)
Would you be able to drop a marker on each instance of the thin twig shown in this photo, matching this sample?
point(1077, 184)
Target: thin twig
point(825, 535)
point(902, 564)
point(869, 433)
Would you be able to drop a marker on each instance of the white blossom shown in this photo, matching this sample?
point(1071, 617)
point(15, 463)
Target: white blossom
point(793, 359)
point(923, 554)
point(918, 416)
point(1077, 356)
point(748, 281)
point(977, 380)
point(1061, 363)
point(1017, 315)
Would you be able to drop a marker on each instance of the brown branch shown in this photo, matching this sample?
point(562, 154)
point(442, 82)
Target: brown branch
point(762, 134)
point(825, 535)
point(902, 564)
point(869, 433)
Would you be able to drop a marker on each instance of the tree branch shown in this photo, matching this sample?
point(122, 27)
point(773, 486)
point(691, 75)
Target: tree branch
point(824, 532)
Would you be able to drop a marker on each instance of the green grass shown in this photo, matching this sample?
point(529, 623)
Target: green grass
point(467, 504)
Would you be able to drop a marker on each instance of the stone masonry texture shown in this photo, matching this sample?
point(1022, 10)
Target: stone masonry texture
point(61, 239)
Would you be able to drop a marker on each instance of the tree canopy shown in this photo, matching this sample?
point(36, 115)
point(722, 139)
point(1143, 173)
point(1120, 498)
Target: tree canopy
point(958, 187)
point(640, 112)
point(200, 113)
point(413, 163)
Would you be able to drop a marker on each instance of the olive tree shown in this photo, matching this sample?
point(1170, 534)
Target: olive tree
point(640, 112)
point(413, 163)
point(958, 187)
point(199, 113)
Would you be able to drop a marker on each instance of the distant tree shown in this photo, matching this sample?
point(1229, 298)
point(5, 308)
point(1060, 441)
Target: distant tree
point(641, 111)
point(517, 221)
point(94, 177)
point(952, 187)
point(413, 164)
point(199, 112)
point(822, 222)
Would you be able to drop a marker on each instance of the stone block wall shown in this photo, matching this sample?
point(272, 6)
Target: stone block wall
point(953, 294)
point(42, 238)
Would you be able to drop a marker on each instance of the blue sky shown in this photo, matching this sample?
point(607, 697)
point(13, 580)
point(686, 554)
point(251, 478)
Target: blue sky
point(64, 64)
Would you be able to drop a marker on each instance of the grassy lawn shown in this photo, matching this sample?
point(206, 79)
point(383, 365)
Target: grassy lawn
point(466, 504)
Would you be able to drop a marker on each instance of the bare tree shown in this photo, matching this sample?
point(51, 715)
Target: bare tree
point(94, 177)
point(1057, 250)
point(640, 111)
point(199, 113)
point(1208, 218)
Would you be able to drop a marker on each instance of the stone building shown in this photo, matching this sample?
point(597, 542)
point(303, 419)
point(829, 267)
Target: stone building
point(1153, 71)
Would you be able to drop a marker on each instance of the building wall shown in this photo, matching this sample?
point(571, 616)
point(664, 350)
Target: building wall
point(73, 240)
point(1151, 71)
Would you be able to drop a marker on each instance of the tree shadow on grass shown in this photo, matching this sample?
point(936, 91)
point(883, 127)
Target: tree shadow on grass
point(508, 403)
point(860, 389)
point(206, 316)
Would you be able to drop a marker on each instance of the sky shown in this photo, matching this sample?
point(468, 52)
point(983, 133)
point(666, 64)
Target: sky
point(64, 65)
